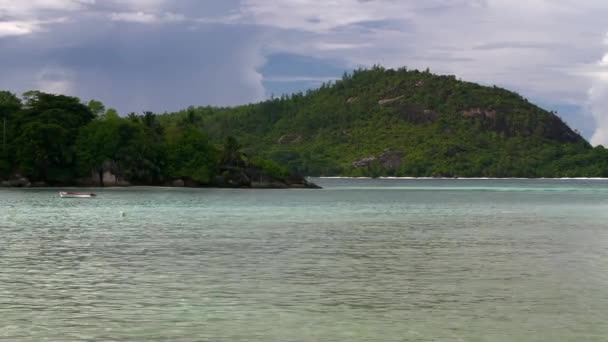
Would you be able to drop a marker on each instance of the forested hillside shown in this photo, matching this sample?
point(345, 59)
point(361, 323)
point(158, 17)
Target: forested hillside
point(376, 122)
point(383, 122)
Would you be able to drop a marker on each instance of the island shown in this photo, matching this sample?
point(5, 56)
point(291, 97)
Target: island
point(371, 123)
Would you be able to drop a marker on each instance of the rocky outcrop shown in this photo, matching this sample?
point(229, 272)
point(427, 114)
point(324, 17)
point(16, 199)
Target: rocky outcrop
point(389, 160)
point(364, 162)
point(548, 126)
point(256, 178)
point(17, 182)
point(387, 101)
point(178, 183)
point(352, 100)
point(290, 139)
point(480, 113)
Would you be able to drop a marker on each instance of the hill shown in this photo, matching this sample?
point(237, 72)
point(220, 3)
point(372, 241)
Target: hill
point(384, 122)
point(375, 122)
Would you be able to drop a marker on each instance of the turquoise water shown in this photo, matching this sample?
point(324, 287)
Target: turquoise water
point(361, 260)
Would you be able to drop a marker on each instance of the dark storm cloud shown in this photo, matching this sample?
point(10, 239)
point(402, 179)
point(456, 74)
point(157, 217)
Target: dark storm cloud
point(138, 66)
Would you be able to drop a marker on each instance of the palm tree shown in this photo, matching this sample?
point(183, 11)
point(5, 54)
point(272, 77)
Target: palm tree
point(232, 155)
point(9, 104)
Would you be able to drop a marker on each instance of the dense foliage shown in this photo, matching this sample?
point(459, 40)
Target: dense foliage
point(443, 127)
point(55, 139)
point(370, 123)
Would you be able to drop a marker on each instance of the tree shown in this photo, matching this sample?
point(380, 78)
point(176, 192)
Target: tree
point(9, 104)
point(96, 107)
point(123, 144)
point(43, 152)
point(191, 156)
point(45, 131)
point(231, 153)
point(97, 143)
point(111, 113)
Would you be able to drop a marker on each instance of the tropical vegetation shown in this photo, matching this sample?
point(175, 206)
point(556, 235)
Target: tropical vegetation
point(372, 122)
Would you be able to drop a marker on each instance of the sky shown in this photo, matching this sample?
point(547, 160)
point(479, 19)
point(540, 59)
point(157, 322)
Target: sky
point(165, 55)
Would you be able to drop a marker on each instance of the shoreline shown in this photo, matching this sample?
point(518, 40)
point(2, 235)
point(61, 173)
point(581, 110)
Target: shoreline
point(311, 180)
point(464, 178)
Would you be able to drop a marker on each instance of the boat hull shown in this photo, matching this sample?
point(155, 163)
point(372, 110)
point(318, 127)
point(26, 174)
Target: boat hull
point(76, 195)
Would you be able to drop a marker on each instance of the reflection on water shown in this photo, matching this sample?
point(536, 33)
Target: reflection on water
point(398, 260)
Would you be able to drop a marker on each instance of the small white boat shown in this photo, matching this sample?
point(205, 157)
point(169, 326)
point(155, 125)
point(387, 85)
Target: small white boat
point(76, 194)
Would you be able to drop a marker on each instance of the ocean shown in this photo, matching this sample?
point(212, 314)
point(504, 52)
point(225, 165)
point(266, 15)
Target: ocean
point(360, 260)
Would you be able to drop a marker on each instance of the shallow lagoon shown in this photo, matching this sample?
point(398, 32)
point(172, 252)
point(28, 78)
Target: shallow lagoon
point(361, 260)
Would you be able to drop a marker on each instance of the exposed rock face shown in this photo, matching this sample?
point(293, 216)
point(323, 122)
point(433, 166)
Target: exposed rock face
point(290, 139)
point(352, 99)
point(107, 175)
point(110, 179)
point(558, 130)
point(233, 177)
point(386, 101)
point(364, 162)
point(551, 128)
point(478, 112)
point(415, 113)
point(391, 159)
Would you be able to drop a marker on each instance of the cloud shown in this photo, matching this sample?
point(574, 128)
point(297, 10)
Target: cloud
point(161, 54)
point(108, 52)
point(598, 99)
point(54, 80)
point(29, 7)
point(146, 18)
point(25, 27)
point(16, 28)
point(514, 45)
point(534, 47)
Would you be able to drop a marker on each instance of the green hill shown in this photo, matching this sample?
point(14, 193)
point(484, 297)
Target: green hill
point(375, 122)
point(383, 122)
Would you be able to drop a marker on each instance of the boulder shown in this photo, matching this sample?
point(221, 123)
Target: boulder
point(233, 177)
point(178, 183)
point(20, 182)
point(364, 162)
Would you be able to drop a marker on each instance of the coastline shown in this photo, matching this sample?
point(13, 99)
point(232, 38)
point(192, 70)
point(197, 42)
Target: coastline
point(465, 178)
point(303, 184)
point(308, 184)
